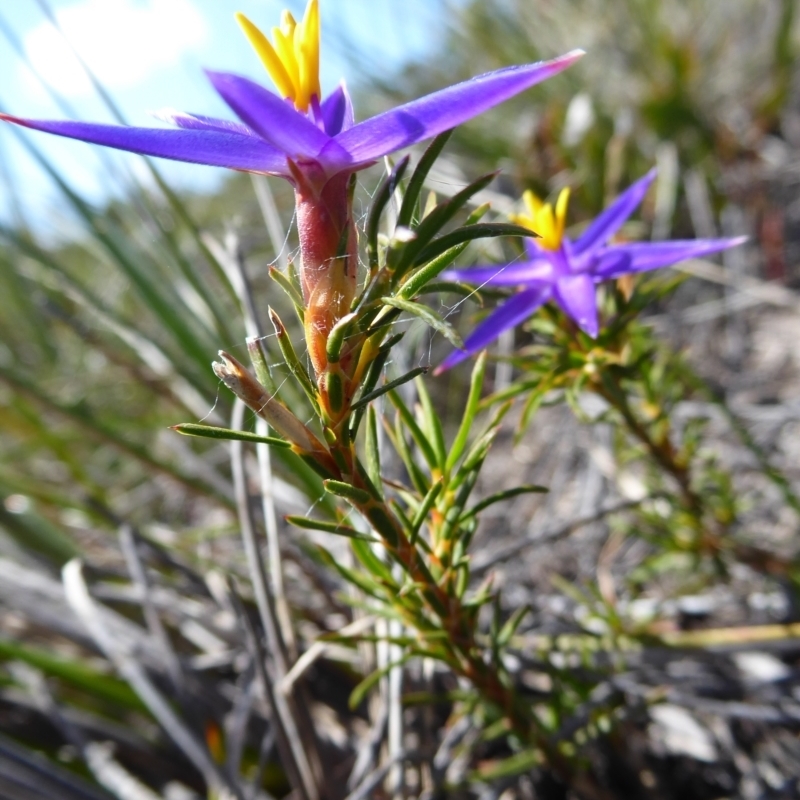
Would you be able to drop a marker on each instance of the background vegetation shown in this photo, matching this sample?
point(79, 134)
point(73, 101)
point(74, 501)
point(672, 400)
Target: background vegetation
point(106, 340)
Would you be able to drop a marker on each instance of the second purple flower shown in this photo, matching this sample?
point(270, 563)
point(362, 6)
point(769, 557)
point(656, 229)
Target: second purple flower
point(556, 268)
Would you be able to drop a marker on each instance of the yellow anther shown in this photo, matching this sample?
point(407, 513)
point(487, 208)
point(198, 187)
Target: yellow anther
point(293, 60)
point(308, 52)
point(561, 212)
point(284, 47)
point(288, 22)
point(269, 58)
point(532, 203)
point(542, 219)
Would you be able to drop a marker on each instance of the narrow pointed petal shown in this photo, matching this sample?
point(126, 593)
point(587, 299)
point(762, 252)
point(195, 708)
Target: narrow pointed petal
point(337, 111)
point(612, 219)
point(624, 259)
point(576, 295)
point(533, 249)
point(502, 274)
point(199, 122)
point(213, 148)
point(272, 118)
point(613, 263)
point(431, 115)
point(514, 311)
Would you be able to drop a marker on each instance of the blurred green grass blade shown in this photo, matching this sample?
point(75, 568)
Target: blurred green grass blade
point(198, 375)
point(21, 419)
point(145, 362)
point(158, 295)
point(15, 482)
point(169, 194)
point(75, 673)
point(111, 167)
point(11, 191)
point(37, 534)
point(220, 315)
point(102, 432)
point(21, 317)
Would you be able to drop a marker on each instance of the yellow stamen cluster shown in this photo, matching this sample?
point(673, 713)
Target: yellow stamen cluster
point(293, 60)
point(542, 219)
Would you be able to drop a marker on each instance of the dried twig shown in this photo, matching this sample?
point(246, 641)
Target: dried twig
point(128, 543)
point(82, 603)
point(373, 780)
point(317, 650)
point(509, 551)
point(290, 746)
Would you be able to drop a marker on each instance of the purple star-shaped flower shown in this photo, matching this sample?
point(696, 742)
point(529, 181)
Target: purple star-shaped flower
point(568, 273)
point(314, 145)
point(276, 139)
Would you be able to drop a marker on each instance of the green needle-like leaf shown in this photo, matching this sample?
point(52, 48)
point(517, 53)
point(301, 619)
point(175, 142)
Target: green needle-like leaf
point(468, 233)
point(433, 426)
point(292, 361)
point(417, 182)
point(424, 508)
point(510, 628)
point(291, 291)
point(413, 428)
point(500, 496)
point(371, 562)
point(372, 448)
point(379, 202)
point(470, 410)
point(428, 316)
point(360, 692)
point(329, 527)
point(388, 387)
point(209, 432)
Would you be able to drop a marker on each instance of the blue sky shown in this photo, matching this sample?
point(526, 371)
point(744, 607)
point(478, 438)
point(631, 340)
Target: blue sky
point(150, 53)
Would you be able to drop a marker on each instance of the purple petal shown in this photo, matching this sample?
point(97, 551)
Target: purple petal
point(421, 119)
point(623, 259)
point(514, 311)
point(503, 274)
point(199, 122)
point(272, 118)
point(611, 263)
point(612, 219)
point(533, 249)
point(214, 148)
point(576, 295)
point(337, 111)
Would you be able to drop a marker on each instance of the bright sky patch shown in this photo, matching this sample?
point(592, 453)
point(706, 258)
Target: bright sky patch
point(122, 41)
